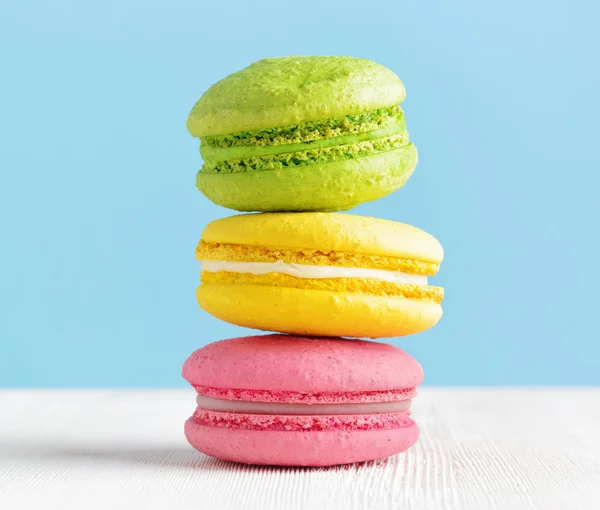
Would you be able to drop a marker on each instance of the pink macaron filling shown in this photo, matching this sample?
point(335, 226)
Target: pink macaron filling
point(296, 411)
point(247, 407)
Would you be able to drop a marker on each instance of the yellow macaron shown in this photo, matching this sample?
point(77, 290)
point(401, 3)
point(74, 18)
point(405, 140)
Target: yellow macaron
point(320, 274)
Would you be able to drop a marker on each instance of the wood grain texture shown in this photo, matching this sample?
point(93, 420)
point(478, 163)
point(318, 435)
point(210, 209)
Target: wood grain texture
point(479, 449)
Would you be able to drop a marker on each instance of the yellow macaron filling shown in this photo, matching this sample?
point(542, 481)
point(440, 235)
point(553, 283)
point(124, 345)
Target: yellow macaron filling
point(247, 253)
point(332, 271)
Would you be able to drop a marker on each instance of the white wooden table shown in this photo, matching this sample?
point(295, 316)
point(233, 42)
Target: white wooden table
point(479, 449)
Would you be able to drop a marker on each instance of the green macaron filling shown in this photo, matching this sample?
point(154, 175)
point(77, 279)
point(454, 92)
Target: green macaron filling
point(310, 143)
point(310, 157)
point(308, 131)
point(211, 155)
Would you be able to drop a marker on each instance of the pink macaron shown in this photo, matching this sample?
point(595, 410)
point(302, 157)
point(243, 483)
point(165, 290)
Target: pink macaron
point(293, 401)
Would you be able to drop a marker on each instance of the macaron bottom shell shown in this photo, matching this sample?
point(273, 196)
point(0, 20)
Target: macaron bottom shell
point(317, 313)
point(299, 448)
point(335, 186)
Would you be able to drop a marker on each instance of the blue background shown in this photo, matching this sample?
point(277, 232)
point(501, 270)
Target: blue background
point(99, 216)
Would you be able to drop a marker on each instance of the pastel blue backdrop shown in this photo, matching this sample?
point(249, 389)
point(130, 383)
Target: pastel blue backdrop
point(99, 216)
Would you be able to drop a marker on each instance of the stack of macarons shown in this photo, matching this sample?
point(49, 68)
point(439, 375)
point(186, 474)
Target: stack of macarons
point(292, 140)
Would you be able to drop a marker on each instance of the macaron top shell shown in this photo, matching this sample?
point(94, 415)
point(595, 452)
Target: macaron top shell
point(299, 364)
point(290, 90)
point(326, 232)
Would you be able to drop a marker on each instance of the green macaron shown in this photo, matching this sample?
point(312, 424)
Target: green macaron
point(303, 134)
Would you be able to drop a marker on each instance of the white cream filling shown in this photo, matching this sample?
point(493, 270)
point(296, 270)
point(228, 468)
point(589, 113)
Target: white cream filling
point(306, 271)
point(247, 407)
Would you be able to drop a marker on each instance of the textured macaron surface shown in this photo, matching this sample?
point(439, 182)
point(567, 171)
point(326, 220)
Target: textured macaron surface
point(341, 238)
point(288, 91)
point(282, 126)
point(281, 363)
point(325, 447)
